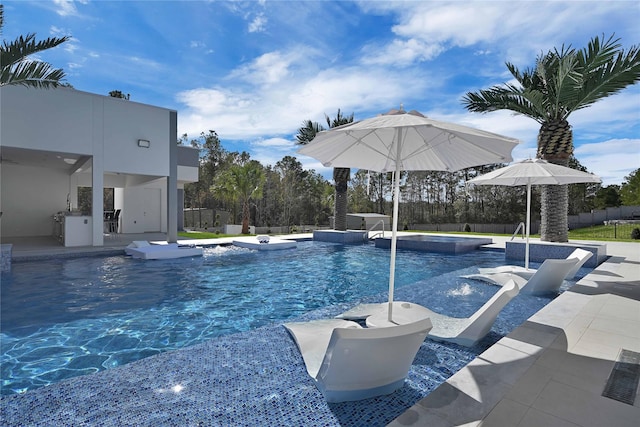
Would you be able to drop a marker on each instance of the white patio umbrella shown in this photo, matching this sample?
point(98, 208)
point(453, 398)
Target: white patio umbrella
point(401, 141)
point(533, 172)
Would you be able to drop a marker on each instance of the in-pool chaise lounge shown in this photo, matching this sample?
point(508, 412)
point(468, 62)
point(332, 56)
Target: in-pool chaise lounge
point(545, 280)
point(264, 243)
point(465, 331)
point(349, 362)
point(582, 256)
point(144, 250)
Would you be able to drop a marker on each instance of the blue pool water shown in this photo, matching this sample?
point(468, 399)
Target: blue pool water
point(67, 317)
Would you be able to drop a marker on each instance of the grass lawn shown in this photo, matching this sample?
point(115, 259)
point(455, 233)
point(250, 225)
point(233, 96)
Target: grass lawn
point(613, 232)
point(203, 235)
point(607, 233)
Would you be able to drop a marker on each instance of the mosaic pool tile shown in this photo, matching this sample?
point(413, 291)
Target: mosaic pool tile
point(256, 378)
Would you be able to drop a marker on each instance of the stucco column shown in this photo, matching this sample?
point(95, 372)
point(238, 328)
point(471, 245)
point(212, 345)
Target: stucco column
point(172, 180)
point(97, 173)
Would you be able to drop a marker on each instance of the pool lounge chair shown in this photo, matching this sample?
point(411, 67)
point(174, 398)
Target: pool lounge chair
point(545, 280)
point(349, 362)
point(582, 256)
point(466, 331)
point(144, 250)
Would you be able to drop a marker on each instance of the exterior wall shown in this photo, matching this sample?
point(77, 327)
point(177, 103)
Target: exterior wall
point(187, 174)
point(69, 121)
point(188, 164)
point(41, 119)
point(121, 151)
point(600, 216)
point(27, 210)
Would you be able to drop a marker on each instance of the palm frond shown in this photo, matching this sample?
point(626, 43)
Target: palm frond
point(562, 83)
point(563, 80)
point(308, 131)
point(19, 49)
point(606, 71)
point(339, 120)
point(32, 74)
point(597, 54)
point(505, 97)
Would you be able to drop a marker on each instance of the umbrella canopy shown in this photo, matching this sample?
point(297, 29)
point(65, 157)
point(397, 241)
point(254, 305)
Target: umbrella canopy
point(533, 172)
point(401, 141)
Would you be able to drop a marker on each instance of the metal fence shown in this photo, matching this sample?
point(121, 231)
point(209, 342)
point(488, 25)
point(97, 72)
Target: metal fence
point(205, 219)
point(612, 230)
point(472, 227)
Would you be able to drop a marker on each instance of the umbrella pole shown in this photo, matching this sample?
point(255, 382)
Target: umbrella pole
point(526, 248)
point(394, 228)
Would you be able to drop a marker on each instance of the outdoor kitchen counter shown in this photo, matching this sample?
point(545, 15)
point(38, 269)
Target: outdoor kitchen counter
point(73, 230)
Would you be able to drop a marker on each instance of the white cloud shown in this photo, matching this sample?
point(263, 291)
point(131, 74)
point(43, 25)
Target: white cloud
point(273, 94)
point(611, 114)
point(258, 24)
point(461, 24)
point(312, 164)
point(508, 26)
point(276, 143)
point(401, 52)
point(268, 68)
point(65, 7)
point(612, 160)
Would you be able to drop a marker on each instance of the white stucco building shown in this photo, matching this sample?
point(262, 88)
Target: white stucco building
point(54, 141)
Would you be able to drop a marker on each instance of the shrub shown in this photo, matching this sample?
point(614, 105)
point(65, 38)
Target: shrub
point(635, 234)
point(467, 228)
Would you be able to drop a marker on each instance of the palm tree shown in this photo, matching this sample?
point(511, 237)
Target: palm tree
point(562, 81)
point(242, 182)
point(340, 175)
point(18, 70)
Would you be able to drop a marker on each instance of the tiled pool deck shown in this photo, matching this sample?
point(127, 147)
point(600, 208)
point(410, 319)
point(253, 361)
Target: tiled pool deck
point(549, 372)
point(552, 370)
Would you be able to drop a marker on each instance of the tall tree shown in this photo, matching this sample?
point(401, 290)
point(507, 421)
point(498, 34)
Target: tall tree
point(213, 159)
point(242, 182)
point(291, 177)
point(340, 175)
point(630, 189)
point(360, 192)
point(607, 197)
point(17, 69)
point(582, 195)
point(561, 82)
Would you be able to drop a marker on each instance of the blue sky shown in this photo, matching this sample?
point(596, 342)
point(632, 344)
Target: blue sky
point(255, 70)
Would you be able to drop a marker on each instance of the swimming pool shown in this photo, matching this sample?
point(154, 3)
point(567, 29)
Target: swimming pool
point(68, 317)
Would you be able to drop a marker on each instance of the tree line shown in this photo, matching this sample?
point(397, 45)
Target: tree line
point(286, 194)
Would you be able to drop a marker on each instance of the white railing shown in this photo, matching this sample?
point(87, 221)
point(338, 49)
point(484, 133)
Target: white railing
point(374, 226)
point(520, 228)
